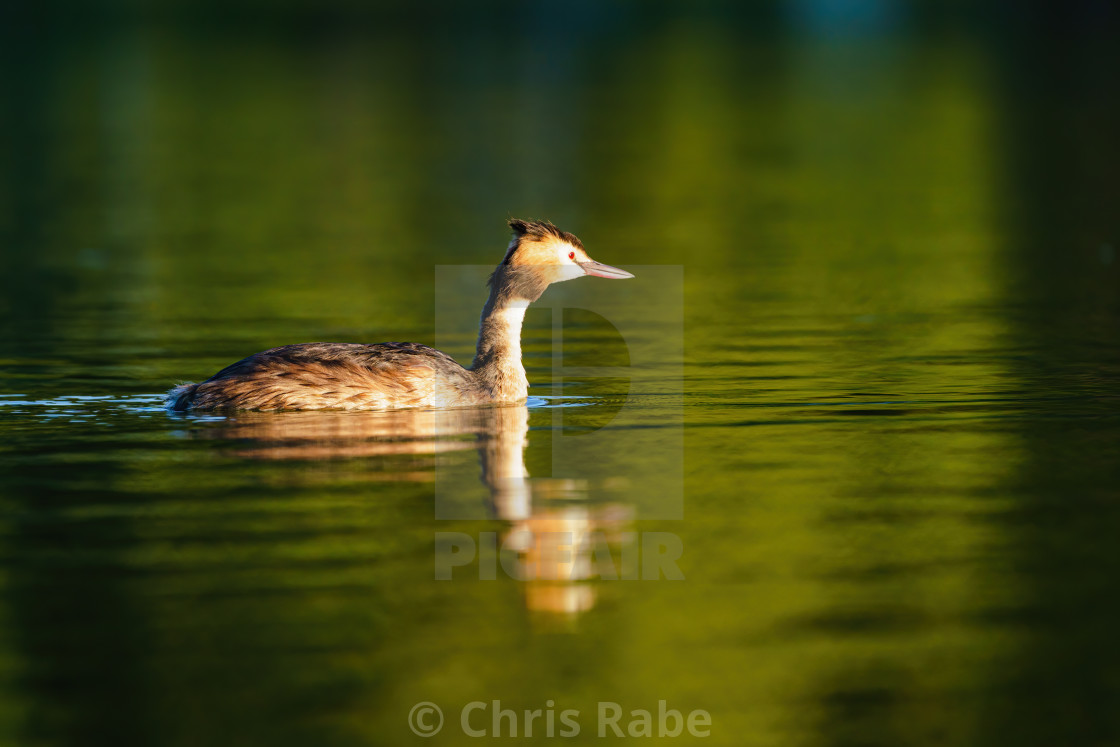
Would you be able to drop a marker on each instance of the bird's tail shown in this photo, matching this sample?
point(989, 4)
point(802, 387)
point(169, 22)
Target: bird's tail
point(179, 398)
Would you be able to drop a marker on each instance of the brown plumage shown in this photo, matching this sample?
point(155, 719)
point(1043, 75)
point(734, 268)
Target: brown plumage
point(389, 375)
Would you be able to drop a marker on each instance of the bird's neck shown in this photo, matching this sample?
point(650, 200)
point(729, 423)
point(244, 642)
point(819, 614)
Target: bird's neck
point(497, 361)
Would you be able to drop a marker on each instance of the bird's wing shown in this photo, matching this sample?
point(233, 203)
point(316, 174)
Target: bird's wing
point(347, 375)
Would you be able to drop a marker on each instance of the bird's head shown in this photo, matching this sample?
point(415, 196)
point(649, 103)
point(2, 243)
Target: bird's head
point(541, 254)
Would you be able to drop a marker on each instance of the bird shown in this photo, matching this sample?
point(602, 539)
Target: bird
point(394, 375)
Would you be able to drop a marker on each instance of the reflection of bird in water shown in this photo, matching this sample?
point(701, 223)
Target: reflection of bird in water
point(553, 536)
point(556, 547)
point(339, 434)
point(351, 376)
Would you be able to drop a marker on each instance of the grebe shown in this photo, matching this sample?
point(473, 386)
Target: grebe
point(389, 375)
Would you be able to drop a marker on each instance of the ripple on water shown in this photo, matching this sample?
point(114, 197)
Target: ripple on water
point(90, 407)
point(78, 407)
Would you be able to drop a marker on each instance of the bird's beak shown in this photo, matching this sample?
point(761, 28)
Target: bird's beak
point(600, 270)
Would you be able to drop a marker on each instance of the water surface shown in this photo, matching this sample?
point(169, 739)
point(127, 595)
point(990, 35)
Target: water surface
point(896, 420)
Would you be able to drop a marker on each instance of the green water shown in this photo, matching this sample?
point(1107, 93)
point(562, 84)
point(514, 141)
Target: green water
point(896, 419)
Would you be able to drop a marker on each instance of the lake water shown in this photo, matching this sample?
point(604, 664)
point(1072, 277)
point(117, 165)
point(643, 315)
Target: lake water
point(865, 385)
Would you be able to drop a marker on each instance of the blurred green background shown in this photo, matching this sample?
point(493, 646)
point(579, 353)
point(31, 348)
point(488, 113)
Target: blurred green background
point(898, 227)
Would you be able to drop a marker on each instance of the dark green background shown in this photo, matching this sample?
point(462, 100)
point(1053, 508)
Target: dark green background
point(898, 227)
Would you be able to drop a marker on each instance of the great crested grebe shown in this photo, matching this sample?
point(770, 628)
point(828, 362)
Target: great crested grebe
point(389, 375)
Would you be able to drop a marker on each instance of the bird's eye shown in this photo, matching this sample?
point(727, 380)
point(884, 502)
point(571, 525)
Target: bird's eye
point(571, 255)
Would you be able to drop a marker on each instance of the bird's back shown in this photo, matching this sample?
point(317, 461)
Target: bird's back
point(332, 375)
